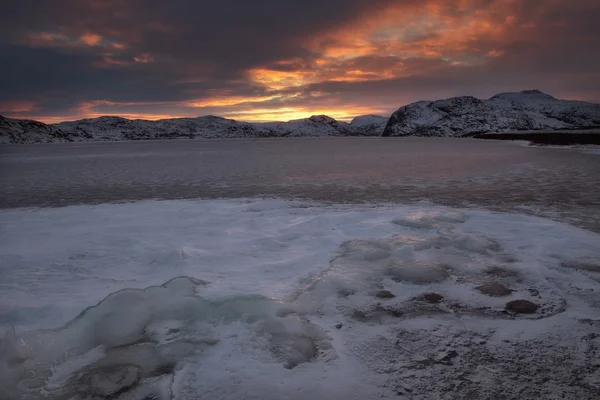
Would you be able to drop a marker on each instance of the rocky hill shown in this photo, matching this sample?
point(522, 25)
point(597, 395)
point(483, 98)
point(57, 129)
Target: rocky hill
point(116, 128)
point(529, 110)
point(28, 131)
point(208, 127)
point(370, 125)
point(315, 126)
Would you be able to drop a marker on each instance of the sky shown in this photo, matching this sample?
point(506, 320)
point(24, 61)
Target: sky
point(265, 60)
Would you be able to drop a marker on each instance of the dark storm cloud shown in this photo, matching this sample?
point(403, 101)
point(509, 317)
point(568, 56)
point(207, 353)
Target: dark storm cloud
point(69, 56)
point(198, 45)
point(233, 34)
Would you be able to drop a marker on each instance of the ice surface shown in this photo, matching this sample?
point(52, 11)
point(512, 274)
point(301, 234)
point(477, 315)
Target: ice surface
point(273, 299)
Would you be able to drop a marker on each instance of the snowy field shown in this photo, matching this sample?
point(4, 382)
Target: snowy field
point(275, 299)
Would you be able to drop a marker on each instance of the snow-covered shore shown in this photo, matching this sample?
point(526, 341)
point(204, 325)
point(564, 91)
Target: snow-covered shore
point(280, 299)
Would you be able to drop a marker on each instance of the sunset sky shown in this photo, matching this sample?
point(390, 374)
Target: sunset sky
point(259, 60)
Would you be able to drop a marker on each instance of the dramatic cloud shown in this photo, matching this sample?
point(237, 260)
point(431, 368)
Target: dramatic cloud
point(272, 59)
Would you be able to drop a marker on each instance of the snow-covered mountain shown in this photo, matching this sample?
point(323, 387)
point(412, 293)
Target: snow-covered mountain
point(370, 125)
point(315, 126)
point(528, 110)
point(208, 127)
point(28, 131)
point(116, 128)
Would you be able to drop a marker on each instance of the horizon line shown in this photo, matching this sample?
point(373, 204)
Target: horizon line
point(162, 118)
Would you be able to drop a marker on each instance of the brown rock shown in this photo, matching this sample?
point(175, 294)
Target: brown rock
point(522, 306)
point(393, 312)
point(502, 272)
point(494, 289)
point(384, 294)
point(433, 297)
point(377, 314)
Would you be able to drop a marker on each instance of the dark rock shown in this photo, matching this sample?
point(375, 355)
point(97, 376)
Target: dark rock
point(345, 292)
point(522, 306)
point(339, 326)
point(110, 381)
point(377, 314)
point(384, 294)
point(582, 265)
point(446, 357)
point(502, 272)
point(393, 312)
point(494, 289)
point(360, 315)
point(433, 297)
point(418, 272)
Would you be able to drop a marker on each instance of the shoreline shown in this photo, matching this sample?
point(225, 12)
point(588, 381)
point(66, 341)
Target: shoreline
point(546, 138)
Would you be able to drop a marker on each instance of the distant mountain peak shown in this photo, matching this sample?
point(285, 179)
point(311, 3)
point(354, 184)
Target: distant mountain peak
point(324, 119)
point(108, 118)
point(213, 117)
point(531, 93)
point(370, 124)
point(30, 131)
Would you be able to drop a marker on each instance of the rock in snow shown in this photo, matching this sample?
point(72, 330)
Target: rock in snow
point(494, 289)
point(463, 116)
point(522, 306)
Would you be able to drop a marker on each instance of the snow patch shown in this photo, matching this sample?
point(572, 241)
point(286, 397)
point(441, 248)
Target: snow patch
point(280, 300)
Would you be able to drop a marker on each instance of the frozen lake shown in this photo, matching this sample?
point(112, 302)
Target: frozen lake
point(448, 171)
point(380, 269)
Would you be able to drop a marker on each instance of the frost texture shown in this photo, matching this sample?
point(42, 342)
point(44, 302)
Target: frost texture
point(316, 325)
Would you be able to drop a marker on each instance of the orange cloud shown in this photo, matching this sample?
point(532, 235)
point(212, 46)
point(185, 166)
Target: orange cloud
point(144, 58)
point(278, 80)
point(259, 113)
point(72, 117)
point(363, 76)
point(91, 39)
point(18, 107)
point(49, 39)
point(228, 101)
point(291, 113)
point(108, 61)
point(146, 116)
point(431, 29)
point(402, 40)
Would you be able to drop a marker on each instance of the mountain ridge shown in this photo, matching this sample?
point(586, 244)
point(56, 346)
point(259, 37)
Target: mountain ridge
point(114, 128)
point(527, 110)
